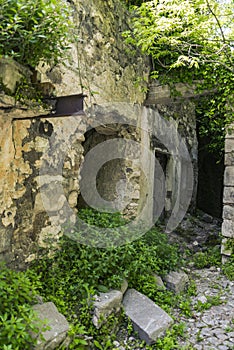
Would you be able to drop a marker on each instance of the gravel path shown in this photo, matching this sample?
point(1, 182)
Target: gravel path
point(206, 329)
point(213, 328)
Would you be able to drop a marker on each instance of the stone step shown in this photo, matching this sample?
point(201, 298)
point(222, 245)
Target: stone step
point(149, 320)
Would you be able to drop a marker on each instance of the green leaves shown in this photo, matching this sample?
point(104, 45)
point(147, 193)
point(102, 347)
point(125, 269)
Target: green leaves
point(31, 31)
point(17, 318)
point(192, 41)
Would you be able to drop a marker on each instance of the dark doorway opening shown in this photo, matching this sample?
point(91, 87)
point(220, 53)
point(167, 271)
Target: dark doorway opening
point(162, 158)
point(210, 179)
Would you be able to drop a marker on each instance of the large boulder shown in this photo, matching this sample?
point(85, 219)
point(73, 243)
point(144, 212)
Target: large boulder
point(149, 320)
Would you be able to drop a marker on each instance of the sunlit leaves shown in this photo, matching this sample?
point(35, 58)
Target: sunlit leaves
point(31, 30)
point(192, 41)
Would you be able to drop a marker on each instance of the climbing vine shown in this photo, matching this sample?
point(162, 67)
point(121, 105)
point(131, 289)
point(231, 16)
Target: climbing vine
point(192, 42)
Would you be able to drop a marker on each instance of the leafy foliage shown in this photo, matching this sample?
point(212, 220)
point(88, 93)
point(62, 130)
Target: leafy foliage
point(17, 319)
point(228, 268)
point(130, 3)
point(77, 272)
point(192, 42)
point(80, 266)
point(210, 257)
point(34, 30)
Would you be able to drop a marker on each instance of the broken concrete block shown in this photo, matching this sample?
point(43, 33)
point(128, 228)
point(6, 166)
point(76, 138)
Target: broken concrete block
point(105, 304)
point(176, 281)
point(57, 323)
point(149, 320)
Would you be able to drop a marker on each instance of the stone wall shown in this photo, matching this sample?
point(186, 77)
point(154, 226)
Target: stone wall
point(40, 163)
point(179, 112)
point(228, 197)
point(100, 64)
point(42, 154)
point(39, 173)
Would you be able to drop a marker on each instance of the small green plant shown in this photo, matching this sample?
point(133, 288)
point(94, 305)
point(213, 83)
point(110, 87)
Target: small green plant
point(186, 307)
point(211, 301)
point(76, 335)
point(198, 336)
point(170, 340)
point(34, 30)
point(228, 269)
point(17, 318)
point(210, 257)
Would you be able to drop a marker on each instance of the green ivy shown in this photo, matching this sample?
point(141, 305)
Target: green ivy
point(34, 30)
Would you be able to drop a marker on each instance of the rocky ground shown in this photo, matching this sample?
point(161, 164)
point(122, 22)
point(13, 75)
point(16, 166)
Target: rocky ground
point(210, 324)
point(213, 328)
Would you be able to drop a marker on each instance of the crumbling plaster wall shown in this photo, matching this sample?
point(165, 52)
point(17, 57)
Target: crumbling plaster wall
point(37, 156)
point(35, 152)
point(100, 64)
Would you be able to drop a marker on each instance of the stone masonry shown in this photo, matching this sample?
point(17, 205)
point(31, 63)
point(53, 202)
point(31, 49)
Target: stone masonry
point(228, 197)
point(41, 154)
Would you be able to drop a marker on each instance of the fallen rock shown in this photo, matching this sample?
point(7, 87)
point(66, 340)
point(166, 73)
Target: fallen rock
point(159, 282)
point(176, 281)
point(105, 304)
point(149, 320)
point(207, 218)
point(53, 337)
point(124, 286)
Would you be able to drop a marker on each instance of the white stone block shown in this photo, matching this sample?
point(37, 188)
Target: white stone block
point(149, 320)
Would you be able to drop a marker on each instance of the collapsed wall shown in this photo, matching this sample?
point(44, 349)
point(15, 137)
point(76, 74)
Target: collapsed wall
point(42, 154)
point(100, 65)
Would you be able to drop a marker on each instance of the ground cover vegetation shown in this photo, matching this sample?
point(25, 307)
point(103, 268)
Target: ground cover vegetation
point(77, 272)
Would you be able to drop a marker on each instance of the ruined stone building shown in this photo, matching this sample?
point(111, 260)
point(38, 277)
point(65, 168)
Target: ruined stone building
point(42, 153)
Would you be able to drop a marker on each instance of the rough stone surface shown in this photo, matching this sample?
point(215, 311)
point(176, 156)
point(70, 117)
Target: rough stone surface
point(99, 63)
point(35, 185)
point(105, 304)
point(213, 328)
point(11, 73)
point(35, 205)
point(228, 198)
point(149, 320)
point(58, 326)
point(176, 281)
point(159, 282)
